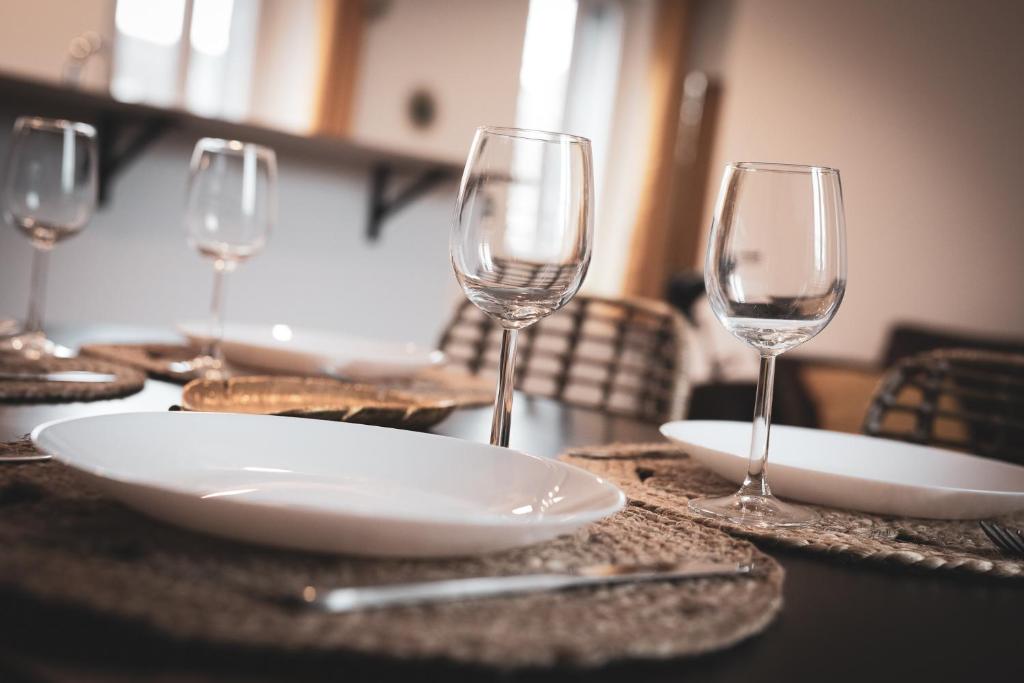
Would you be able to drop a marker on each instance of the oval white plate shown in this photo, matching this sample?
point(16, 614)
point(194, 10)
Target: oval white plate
point(315, 352)
point(329, 486)
point(858, 472)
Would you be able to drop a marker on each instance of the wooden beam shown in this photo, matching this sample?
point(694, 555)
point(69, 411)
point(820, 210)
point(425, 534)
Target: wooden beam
point(649, 266)
point(341, 27)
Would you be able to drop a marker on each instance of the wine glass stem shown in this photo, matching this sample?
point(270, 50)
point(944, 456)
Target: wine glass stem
point(37, 291)
point(756, 482)
point(213, 349)
point(506, 381)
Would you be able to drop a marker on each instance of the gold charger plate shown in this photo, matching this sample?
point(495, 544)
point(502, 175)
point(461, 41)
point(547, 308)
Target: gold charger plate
point(316, 397)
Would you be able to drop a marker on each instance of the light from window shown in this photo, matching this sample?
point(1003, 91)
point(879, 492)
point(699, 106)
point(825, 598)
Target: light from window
point(547, 55)
point(153, 21)
point(210, 32)
point(543, 82)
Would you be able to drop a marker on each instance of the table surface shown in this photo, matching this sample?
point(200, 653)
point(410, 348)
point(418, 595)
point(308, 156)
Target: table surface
point(840, 621)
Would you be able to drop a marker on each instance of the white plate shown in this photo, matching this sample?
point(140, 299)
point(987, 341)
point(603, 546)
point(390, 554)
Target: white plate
point(315, 352)
point(329, 486)
point(858, 472)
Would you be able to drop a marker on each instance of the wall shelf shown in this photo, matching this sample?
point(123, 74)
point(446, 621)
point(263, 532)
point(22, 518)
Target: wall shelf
point(126, 130)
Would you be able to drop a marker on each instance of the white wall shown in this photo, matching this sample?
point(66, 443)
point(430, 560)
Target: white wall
point(35, 35)
point(920, 104)
point(626, 166)
point(466, 52)
point(131, 265)
point(286, 71)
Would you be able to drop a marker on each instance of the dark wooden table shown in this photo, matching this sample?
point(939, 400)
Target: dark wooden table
point(840, 622)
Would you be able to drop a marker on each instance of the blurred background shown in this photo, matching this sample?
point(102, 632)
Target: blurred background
point(371, 106)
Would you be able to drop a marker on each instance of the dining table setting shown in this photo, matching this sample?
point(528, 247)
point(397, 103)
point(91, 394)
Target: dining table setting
point(262, 501)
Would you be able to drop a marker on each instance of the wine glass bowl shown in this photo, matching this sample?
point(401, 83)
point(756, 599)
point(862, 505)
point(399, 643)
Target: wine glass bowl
point(230, 206)
point(521, 242)
point(50, 188)
point(521, 239)
point(773, 255)
point(520, 293)
point(49, 195)
point(775, 276)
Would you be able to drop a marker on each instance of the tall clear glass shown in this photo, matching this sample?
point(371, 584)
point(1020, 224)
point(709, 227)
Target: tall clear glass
point(775, 276)
point(230, 206)
point(49, 194)
point(521, 238)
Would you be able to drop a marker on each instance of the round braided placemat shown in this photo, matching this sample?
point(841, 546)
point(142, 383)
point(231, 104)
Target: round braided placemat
point(432, 384)
point(64, 542)
point(663, 477)
point(155, 359)
point(128, 380)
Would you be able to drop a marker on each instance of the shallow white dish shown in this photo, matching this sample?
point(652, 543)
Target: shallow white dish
point(315, 352)
point(329, 486)
point(858, 472)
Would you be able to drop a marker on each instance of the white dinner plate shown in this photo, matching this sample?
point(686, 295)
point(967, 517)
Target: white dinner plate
point(315, 352)
point(858, 472)
point(329, 486)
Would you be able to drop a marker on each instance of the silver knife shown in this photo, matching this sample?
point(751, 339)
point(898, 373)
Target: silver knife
point(63, 376)
point(340, 600)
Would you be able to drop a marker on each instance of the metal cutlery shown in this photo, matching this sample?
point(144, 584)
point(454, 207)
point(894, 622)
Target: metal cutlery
point(341, 600)
point(30, 457)
point(22, 451)
point(62, 376)
point(1005, 538)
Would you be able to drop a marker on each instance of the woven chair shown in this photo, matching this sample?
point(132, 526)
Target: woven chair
point(623, 357)
point(954, 398)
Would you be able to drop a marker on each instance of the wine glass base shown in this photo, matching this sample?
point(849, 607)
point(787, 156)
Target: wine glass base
point(754, 511)
point(34, 345)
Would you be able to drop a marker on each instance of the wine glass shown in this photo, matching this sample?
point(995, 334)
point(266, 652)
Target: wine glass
point(49, 195)
point(230, 205)
point(775, 276)
point(521, 239)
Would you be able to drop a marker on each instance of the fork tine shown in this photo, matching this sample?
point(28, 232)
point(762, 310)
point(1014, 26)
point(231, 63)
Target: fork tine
point(1003, 537)
point(1016, 537)
point(1008, 538)
point(986, 526)
point(1007, 541)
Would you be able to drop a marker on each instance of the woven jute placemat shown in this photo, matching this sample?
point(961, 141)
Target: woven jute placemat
point(435, 383)
point(127, 380)
point(65, 542)
point(664, 478)
point(155, 359)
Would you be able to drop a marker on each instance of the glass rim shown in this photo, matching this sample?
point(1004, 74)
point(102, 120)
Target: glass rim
point(777, 167)
point(46, 124)
point(236, 147)
point(533, 134)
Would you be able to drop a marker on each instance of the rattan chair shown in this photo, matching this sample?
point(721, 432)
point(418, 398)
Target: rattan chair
point(620, 356)
point(954, 398)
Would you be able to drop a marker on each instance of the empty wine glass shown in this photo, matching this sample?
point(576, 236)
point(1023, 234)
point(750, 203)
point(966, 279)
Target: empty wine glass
point(775, 276)
point(49, 195)
point(521, 238)
point(230, 206)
